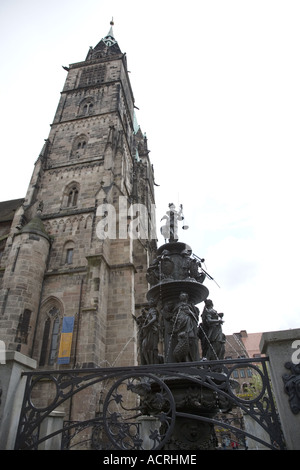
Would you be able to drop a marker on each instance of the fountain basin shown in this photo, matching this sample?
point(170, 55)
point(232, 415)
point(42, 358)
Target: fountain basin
point(169, 291)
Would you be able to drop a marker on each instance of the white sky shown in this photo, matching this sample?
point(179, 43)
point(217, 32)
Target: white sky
point(217, 84)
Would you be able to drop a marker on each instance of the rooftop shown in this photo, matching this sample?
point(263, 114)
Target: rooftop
point(8, 209)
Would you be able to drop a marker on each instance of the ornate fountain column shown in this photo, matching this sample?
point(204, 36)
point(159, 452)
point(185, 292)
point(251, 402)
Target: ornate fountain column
point(176, 287)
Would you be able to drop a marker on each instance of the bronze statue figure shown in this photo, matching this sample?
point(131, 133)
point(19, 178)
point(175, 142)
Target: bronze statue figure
point(210, 333)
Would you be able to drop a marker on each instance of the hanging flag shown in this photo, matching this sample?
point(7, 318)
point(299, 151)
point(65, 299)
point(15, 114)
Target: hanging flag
point(66, 341)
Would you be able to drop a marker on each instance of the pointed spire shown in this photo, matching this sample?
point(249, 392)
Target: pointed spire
point(106, 47)
point(109, 39)
point(110, 32)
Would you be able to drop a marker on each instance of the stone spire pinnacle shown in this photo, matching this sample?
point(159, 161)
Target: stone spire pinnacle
point(109, 39)
point(108, 46)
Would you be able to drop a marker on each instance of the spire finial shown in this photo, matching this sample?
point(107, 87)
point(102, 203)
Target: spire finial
point(109, 39)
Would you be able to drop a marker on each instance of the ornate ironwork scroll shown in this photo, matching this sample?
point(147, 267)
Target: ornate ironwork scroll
point(164, 406)
point(134, 397)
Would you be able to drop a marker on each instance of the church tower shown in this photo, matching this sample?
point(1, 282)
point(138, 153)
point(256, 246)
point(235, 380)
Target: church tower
point(73, 270)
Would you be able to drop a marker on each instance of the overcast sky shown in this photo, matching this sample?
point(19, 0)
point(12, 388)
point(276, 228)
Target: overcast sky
point(217, 84)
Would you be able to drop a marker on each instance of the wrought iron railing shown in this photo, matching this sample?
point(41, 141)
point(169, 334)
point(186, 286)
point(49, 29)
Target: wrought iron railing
point(137, 408)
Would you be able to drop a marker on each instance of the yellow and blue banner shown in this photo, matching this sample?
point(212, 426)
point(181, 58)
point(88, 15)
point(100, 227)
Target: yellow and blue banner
point(64, 352)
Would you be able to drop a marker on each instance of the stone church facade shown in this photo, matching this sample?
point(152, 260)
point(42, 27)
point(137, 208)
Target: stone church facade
point(69, 266)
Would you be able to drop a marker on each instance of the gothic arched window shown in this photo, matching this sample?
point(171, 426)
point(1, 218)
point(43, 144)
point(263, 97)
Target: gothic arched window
point(54, 341)
point(70, 195)
point(50, 340)
point(86, 107)
point(68, 253)
point(79, 146)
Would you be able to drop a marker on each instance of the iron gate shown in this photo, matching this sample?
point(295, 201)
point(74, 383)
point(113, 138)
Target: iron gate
point(122, 397)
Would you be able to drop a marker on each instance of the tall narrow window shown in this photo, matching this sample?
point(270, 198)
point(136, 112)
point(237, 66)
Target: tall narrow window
point(72, 197)
point(43, 355)
point(50, 340)
point(69, 256)
point(68, 253)
point(87, 108)
point(54, 342)
point(79, 146)
point(87, 105)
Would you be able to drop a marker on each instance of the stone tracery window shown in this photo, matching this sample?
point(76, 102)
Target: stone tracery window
point(86, 107)
point(70, 196)
point(51, 333)
point(54, 341)
point(79, 146)
point(92, 75)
